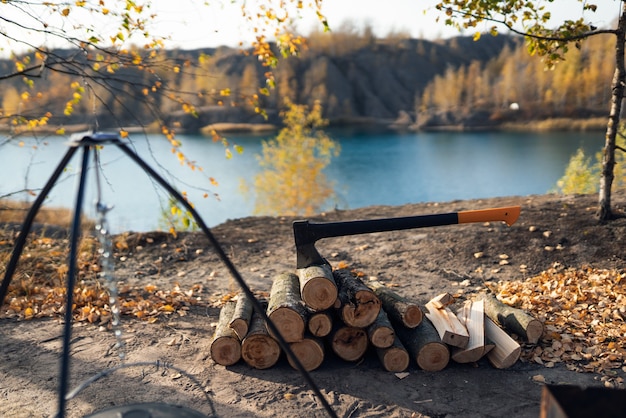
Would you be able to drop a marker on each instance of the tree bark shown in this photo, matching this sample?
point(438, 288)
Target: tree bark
point(310, 352)
point(242, 316)
point(286, 309)
point(320, 323)
point(398, 308)
point(317, 287)
point(394, 358)
point(513, 319)
point(225, 348)
point(381, 333)
point(359, 305)
point(259, 349)
point(349, 343)
point(425, 346)
point(605, 212)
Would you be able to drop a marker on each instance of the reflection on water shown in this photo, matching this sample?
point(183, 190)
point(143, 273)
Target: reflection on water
point(373, 169)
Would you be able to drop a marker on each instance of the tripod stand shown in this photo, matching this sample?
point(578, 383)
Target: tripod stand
point(86, 142)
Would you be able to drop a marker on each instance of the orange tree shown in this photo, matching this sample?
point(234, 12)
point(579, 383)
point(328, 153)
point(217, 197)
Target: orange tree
point(291, 181)
point(531, 19)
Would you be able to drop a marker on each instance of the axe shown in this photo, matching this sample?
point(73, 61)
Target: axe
point(307, 233)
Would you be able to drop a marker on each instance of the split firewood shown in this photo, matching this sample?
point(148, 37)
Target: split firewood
point(448, 326)
point(512, 319)
point(472, 316)
point(425, 346)
point(317, 287)
point(381, 333)
point(442, 300)
point(359, 305)
point(225, 348)
point(506, 351)
point(320, 323)
point(285, 308)
point(398, 308)
point(310, 352)
point(242, 316)
point(349, 343)
point(259, 349)
point(394, 358)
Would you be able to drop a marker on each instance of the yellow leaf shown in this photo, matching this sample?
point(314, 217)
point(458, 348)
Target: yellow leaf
point(123, 133)
point(65, 12)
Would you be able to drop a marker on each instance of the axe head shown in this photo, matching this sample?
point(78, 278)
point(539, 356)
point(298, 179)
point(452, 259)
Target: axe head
point(306, 253)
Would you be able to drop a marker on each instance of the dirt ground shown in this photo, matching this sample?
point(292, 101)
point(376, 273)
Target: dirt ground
point(421, 263)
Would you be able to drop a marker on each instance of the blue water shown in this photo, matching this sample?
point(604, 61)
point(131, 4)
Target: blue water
point(373, 169)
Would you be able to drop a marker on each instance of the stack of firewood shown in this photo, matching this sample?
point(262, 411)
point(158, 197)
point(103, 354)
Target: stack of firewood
point(318, 309)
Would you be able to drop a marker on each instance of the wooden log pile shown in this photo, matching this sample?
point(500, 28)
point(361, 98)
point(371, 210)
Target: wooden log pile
point(319, 311)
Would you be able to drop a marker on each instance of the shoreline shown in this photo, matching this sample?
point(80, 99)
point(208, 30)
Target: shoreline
point(540, 125)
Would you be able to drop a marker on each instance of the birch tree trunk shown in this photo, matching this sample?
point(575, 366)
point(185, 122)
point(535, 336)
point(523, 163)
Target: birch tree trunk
point(608, 154)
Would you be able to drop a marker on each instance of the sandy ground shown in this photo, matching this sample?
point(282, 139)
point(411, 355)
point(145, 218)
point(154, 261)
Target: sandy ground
point(168, 360)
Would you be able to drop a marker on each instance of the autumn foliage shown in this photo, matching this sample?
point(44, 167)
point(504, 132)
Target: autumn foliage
point(292, 181)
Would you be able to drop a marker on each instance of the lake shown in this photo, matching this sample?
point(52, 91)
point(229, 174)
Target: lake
point(373, 169)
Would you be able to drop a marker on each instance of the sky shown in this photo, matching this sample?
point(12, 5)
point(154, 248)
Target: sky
point(193, 25)
point(209, 23)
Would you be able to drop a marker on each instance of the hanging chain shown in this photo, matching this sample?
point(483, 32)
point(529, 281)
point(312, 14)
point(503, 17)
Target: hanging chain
point(106, 259)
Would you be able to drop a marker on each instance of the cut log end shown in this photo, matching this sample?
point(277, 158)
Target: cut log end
point(433, 357)
point(260, 351)
point(289, 323)
point(349, 343)
point(319, 294)
point(394, 359)
point(412, 316)
point(226, 350)
point(320, 324)
point(382, 337)
point(310, 353)
point(364, 312)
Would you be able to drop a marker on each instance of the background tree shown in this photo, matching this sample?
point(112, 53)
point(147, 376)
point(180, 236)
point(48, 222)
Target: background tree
point(530, 19)
point(291, 181)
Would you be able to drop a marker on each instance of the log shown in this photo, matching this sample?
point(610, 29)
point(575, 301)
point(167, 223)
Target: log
point(398, 308)
point(381, 333)
point(394, 358)
point(320, 323)
point(506, 351)
point(317, 287)
point(259, 349)
point(472, 316)
point(359, 305)
point(242, 316)
point(512, 319)
point(450, 329)
point(349, 343)
point(285, 308)
point(310, 352)
point(425, 346)
point(225, 348)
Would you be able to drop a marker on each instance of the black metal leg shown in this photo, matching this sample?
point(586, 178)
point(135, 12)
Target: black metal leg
point(71, 280)
point(28, 222)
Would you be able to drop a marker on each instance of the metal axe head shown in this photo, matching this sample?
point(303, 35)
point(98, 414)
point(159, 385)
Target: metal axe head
point(306, 253)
